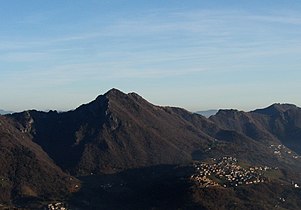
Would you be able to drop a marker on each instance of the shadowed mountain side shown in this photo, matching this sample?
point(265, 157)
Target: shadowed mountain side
point(169, 187)
point(257, 197)
point(113, 132)
point(119, 131)
point(284, 121)
point(233, 143)
point(26, 171)
point(156, 187)
point(139, 146)
point(244, 123)
point(277, 124)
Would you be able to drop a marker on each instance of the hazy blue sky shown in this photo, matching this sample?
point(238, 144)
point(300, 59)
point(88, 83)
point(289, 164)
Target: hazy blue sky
point(197, 54)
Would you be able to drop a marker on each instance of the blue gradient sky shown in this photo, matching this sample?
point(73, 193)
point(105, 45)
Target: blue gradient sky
point(58, 54)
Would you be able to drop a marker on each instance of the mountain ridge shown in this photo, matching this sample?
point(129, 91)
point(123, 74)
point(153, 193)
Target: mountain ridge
point(278, 123)
point(105, 134)
point(118, 133)
point(104, 114)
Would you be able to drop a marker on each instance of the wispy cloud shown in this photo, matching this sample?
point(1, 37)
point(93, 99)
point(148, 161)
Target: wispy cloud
point(280, 18)
point(157, 45)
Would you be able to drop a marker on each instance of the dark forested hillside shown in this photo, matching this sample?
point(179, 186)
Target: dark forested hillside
point(118, 138)
point(114, 132)
point(276, 124)
point(26, 171)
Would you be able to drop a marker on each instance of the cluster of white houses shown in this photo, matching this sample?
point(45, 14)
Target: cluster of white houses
point(56, 206)
point(227, 173)
point(281, 150)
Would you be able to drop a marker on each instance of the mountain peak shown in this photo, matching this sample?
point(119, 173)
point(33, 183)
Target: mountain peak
point(115, 95)
point(112, 98)
point(114, 91)
point(283, 107)
point(275, 109)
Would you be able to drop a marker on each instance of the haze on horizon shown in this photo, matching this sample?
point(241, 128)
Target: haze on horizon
point(193, 54)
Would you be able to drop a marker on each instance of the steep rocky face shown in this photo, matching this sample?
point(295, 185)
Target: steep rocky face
point(26, 171)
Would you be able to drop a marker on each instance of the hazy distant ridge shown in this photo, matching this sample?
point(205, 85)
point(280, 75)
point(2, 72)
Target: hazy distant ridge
point(207, 113)
point(3, 112)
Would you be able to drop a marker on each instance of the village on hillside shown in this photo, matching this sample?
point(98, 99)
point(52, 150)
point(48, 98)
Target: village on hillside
point(56, 206)
point(226, 172)
point(282, 151)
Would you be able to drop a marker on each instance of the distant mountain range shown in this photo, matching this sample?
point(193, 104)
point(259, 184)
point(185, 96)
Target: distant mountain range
point(207, 113)
point(119, 138)
point(3, 112)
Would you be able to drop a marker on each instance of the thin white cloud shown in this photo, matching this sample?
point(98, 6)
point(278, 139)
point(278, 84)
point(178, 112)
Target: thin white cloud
point(282, 19)
point(153, 46)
